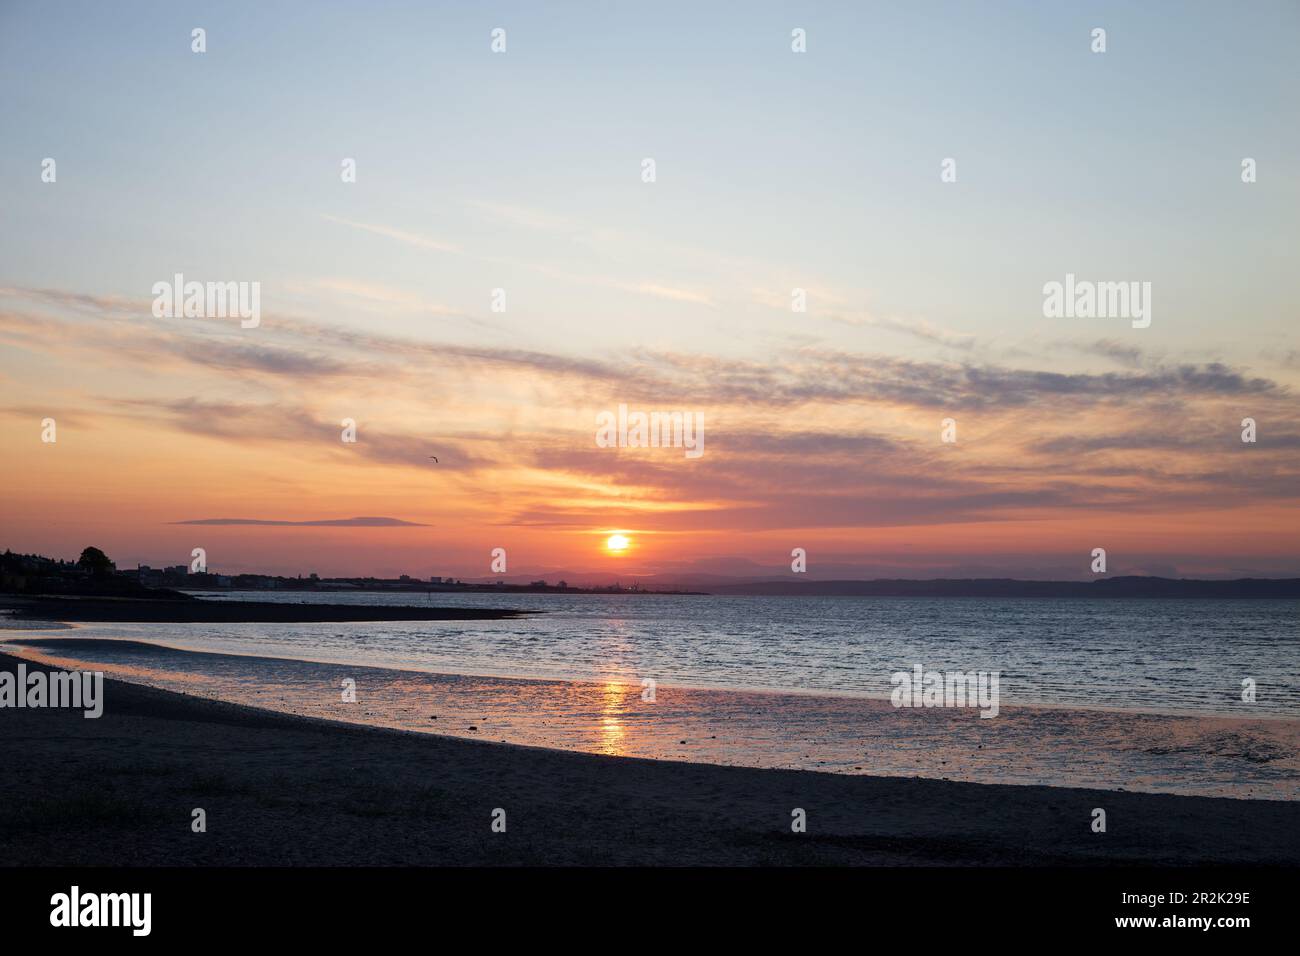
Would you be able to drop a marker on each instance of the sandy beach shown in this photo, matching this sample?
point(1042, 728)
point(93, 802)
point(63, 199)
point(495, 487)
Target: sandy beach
point(280, 789)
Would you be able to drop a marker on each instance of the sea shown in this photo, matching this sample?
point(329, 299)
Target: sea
point(1189, 696)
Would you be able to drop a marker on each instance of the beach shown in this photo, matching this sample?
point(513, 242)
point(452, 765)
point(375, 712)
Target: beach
point(362, 676)
point(281, 789)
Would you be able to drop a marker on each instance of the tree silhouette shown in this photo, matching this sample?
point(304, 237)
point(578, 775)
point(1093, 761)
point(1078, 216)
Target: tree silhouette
point(96, 562)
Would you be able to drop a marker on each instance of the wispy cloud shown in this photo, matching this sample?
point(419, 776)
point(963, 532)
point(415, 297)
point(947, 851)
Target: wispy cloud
point(917, 328)
point(811, 437)
point(523, 216)
point(790, 378)
point(1116, 351)
point(410, 238)
point(384, 297)
point(362, 522)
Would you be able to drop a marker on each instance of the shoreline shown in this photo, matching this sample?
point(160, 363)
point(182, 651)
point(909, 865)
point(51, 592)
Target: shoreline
point(279, 789)
point(1234, 757)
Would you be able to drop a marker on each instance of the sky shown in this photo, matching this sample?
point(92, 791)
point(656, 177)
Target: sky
point(522, 171)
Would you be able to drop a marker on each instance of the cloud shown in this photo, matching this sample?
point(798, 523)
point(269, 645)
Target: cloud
point(1202, 436)
point(282, 424)
point(657, 290)
point(524, 216)
point(385, 296)
point(410, 238)
point(363, 522)
point(1112, 349)
point(99, 304)
point(917, 328)
point(811, 436)
point(784, 379)
point(244, 357)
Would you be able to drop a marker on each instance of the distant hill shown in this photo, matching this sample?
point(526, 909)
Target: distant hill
point(1116, 587)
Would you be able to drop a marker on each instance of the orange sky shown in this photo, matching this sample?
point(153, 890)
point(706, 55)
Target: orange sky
point(835, 452)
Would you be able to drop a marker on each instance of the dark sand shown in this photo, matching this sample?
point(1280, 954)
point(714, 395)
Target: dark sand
point(284, 790)
point(150, 611)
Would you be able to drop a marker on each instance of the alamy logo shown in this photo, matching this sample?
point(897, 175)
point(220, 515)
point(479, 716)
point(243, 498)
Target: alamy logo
point(78, 690)
point(208, 300)
point(651, 430)
point(103, 909)
point(1098, 300)
point(923, 688)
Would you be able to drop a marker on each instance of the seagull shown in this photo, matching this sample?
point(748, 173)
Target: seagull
point(434, 457)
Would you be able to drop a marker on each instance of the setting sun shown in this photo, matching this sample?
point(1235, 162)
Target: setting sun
point(617, 543)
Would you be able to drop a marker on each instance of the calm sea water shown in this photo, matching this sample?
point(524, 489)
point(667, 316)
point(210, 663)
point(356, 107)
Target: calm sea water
point(1156, 656)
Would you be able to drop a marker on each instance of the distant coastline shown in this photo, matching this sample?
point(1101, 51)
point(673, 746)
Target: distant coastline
point(94, 575)
point(1116, 587)
point(1103, 588)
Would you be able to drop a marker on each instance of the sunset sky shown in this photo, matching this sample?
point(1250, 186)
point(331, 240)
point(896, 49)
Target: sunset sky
point(775, 171)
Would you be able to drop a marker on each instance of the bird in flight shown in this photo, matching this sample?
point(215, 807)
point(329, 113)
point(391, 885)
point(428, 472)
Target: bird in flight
point(434, 457)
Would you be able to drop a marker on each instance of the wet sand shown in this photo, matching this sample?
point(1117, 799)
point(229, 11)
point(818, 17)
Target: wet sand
point(279, 789)
point(1032, 745)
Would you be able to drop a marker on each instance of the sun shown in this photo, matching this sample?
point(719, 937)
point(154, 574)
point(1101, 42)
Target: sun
point(617, 543)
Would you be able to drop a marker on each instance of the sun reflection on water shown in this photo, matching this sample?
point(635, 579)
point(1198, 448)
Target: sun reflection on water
point(612, 731)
